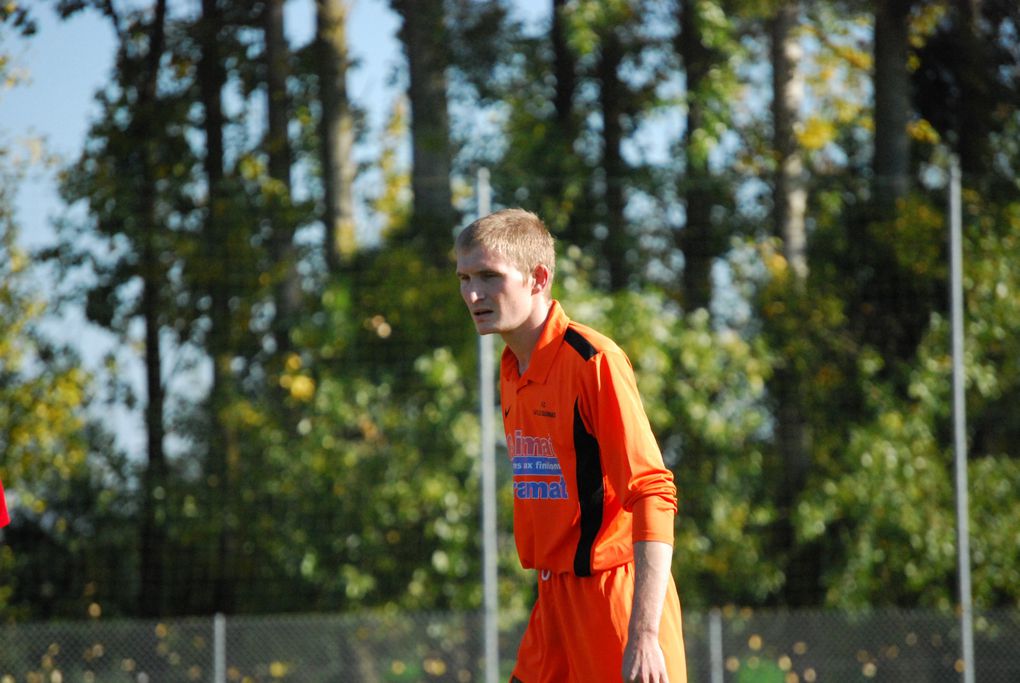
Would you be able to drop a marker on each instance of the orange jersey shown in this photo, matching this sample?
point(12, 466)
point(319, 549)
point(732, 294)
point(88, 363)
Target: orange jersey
point(588, 475)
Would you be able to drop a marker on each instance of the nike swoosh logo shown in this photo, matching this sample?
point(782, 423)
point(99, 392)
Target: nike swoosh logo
point(506, 412)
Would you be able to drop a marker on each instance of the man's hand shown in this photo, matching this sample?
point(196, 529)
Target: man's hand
point(643, 661)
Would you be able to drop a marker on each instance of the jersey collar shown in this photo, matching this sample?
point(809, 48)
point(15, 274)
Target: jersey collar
point(542, 355)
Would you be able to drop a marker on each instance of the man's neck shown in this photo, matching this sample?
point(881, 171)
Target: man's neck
point(523, 340)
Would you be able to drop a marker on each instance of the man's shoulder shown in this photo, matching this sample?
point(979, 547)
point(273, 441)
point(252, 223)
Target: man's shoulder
point(588, 342)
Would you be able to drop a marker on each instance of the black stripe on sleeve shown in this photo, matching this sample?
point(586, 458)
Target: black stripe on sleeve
point(590, 492)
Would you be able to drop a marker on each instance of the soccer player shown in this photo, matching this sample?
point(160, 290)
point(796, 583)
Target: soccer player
point(4, 517)
point(593, 502)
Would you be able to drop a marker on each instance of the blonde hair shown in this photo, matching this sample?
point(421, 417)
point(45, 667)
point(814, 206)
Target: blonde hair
point(515, 234)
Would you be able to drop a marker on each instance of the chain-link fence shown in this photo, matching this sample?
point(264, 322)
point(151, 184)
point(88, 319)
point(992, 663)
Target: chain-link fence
point(908, 646)
point(723, 646)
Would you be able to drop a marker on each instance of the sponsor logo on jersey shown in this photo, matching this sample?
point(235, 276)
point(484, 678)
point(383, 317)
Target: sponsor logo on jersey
point(541, 490)
point(536, 470)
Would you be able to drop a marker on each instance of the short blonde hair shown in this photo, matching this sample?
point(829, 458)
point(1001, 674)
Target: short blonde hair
point(515, 234)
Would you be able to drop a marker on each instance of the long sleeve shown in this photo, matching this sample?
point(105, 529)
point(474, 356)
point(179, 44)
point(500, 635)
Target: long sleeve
point(631, 456)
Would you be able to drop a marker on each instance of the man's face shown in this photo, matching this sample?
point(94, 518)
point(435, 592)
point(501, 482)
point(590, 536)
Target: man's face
point(498, 295)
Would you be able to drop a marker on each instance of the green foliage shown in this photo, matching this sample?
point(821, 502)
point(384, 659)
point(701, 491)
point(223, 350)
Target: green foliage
point(400, 473)
point(405, 306)
point(886, 495)
point(64, 479)
point(41, 390)
point(703, 390)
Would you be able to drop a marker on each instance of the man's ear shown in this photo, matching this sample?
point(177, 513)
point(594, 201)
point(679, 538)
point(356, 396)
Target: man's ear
point(542, 278)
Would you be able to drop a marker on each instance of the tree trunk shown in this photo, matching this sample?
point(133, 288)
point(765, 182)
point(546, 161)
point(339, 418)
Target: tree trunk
point(891, 164)
point(790, 206)
point(423, 35)
point(611, 96)
point(287, 288)
point(790, 190)
point(790, 203)
point(222, 450)
point(976, 80)
point(561, 158)
point(337, 133)
point(154, 485)
point(696, 240)
point(277, 144)
point(564, 69)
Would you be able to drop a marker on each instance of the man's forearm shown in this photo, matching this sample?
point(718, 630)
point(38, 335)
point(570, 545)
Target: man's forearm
point(643, 659)
point(652, 565)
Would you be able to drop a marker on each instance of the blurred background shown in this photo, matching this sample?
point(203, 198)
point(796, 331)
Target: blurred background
point(236, 376)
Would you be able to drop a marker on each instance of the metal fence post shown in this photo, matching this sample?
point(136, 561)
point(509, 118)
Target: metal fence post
point(960, 421)
point(487, 402)
point(715, 645)
point(219, 648)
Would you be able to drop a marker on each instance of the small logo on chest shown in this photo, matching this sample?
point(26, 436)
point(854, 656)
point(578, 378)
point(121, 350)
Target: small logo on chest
point(544, 411)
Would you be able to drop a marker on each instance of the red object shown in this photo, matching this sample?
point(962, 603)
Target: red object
point(5, 519)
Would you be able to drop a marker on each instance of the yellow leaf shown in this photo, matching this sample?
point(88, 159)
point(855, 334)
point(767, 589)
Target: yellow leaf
point(923, 131)
point(816, 133)
point(302, 388)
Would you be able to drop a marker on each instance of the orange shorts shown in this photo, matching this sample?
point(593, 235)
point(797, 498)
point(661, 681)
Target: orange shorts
point(578, 630)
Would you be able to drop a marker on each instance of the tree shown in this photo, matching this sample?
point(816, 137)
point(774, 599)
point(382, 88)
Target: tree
point(962, 85)
point(596, 111)
point(47, 453)
point(423, 35)
point(287, 286)
point(155, 482)
point(216, 282)
point(698, 239)
point(225, 276)
point(43, 391)
point(611, 103)
point(885, 505)
point(118, 177)
point(891, 166)
point(800, 403)
point(789, 189)
point(789, 217)
point(336, 132)
point(564, 69)
point(161, 214)
point(561, 187)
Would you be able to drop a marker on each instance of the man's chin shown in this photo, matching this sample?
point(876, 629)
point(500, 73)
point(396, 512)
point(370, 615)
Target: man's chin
point(484, 327)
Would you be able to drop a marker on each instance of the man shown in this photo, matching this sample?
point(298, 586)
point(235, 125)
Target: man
point(4, 517)
point(593, 503)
